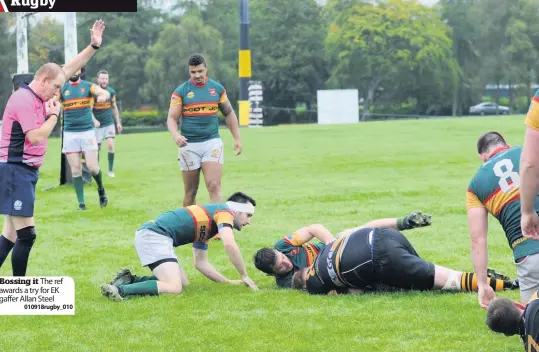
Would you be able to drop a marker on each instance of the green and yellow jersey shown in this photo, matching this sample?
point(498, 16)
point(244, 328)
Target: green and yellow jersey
point(532, 117)
point(103, 111)
point(200, 109)
point(496, 187)
point(301, 254)
point(77, 99)
point(193, 224)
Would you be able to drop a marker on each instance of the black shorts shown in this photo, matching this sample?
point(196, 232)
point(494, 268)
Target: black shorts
point(396, 263)
point(356, 267)
point(17, 189)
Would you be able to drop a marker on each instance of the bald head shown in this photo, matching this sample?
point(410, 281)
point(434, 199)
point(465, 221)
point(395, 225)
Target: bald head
point(48, 80)
point(49, 70)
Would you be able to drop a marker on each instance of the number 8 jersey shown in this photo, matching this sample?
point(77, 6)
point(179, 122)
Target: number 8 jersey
point(496, 187)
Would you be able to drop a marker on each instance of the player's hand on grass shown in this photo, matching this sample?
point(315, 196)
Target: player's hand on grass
point(181, 141)
point(485, 296)
point(53, 107)
point(529, 223)
point(247, 281)
point(96, 33)
point(235, 282)
point(237, 147)
point(418, 219)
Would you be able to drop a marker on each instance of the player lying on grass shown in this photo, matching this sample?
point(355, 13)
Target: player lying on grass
point(295, 251)
point(370, 257)
point(510, 318)
point(156, 239)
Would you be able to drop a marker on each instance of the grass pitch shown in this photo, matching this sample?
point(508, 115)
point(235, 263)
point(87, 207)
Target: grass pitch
point(340, 176)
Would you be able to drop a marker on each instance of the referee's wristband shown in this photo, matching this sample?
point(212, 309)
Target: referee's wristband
point(52, 115)
point(94, 46)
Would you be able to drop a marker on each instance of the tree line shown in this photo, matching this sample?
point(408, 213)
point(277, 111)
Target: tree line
point(402, 56)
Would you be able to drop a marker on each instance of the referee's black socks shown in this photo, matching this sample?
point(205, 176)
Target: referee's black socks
point(21, 251)
point(5, 247)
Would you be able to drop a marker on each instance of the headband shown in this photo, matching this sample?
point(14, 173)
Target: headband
point(241, 207)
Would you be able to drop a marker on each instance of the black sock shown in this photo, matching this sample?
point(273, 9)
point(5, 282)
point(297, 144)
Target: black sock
point(5, 247)
point(99, 180)
point(21, 251)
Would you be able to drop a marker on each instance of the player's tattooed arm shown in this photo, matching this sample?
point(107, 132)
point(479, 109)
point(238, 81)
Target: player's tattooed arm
point(318, 231)
point(232, 123)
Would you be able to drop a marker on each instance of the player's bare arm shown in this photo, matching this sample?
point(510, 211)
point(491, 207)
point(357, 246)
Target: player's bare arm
point(116, 114)
point(202, 264)
point(232, 122)
point(413, 220)
point(529, 183)
point(175, 115)
point(96, 37)
point(96, 122)
point(233, 251)
point(478, 224)
point(100, 93)
point(318, 231)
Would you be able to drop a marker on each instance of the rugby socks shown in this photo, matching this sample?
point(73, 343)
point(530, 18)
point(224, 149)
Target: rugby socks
point(99, 180)
point(21, 251)
point(468, 282)
point(111, 161)
point(5, 247)
point(144, 288)
point(137, 279)
point(78, 183)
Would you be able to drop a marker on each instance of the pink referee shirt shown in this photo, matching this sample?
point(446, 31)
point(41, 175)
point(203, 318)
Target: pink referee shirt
point(24, 111)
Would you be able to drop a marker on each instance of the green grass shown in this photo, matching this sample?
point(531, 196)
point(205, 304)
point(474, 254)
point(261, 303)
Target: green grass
point(340, 176)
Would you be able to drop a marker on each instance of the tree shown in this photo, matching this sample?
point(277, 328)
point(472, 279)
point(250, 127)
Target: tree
point(385, 43)
point(167, 67)
point(45, 43)
point(288, 51)
point(8, 60)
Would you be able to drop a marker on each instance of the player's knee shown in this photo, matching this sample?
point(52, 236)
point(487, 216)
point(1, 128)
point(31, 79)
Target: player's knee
point(191, 193)
point(76, 171)
point(93, 168)
point(27, 234)
point(213, 186)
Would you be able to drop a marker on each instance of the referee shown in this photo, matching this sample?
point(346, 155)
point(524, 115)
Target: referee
point(30, 116)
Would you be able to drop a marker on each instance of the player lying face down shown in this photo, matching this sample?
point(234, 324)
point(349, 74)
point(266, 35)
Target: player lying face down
point(369, 257)
point(296, 251)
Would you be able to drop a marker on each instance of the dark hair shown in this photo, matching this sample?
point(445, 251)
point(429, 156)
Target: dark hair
point(298, 280)
point(503, 317)
point(241, 197)
point(196, 59)
point(102, 72)
point(265, 259)
point(489, 140)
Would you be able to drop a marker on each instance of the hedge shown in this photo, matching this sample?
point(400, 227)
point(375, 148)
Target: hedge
point(149, 118)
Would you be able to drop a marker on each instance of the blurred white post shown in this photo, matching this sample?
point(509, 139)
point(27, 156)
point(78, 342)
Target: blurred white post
point(70, 35)
point(22, 43)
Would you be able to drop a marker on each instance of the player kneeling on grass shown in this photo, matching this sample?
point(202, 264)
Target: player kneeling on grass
point(371, 257)
point(508, 317)
point(294, 252)
point(156, 239)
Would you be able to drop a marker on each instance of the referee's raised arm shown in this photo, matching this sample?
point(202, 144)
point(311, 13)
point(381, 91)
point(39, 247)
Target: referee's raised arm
point(96, 35)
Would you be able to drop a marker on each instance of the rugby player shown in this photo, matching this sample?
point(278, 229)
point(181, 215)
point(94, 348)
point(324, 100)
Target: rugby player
point(495, 189)
point(295, 252)
point(370, 257)
point(195, 103)
point(106, 113)
point(77, 97)
point(508, 317)
point(29, 118)
point(155, 241)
